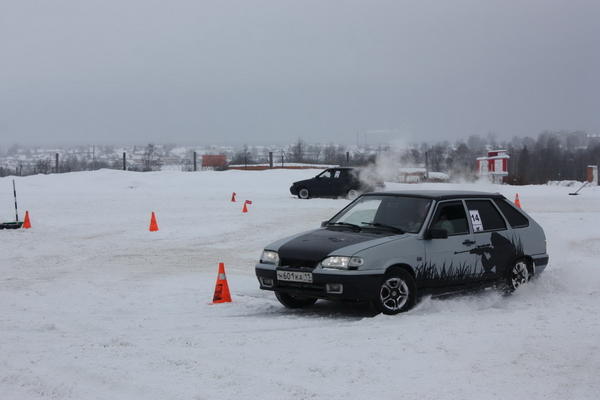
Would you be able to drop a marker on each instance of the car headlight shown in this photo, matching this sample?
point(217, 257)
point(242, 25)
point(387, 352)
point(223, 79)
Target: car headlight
point(269, 257)
point(340, 262)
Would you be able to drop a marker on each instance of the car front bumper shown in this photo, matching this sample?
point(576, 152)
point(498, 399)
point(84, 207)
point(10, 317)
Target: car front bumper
point(326, 284)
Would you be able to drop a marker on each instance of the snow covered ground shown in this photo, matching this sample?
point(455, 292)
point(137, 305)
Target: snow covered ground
point(95, 306)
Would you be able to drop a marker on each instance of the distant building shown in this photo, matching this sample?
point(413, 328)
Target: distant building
point(592, 174)
point(494, 166)
point(593, 140)
point(411, 175)
point(212, 162)
point(419, 174)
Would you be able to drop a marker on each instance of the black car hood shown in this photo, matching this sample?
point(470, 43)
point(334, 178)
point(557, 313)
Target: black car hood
point(314, 246)
point(302, 182)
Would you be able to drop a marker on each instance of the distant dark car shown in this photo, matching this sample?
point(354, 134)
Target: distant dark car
point(336, 182)
point(391, 247)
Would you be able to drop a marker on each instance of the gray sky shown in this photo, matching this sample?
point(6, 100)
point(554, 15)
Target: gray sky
point(270, 72)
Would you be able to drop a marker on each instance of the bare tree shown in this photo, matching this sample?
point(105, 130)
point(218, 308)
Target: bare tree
point(298, 151)
point(437, 156)
point(243, 156)
point(314, 153)
point(332, 154)
point(43, 166)
point(462, 162)
point(151, 159)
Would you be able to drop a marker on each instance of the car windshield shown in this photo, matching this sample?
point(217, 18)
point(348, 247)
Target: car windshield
point(396, 213)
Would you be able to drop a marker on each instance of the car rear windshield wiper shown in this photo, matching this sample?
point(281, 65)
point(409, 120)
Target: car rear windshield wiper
point(353, 226)
point(385, 226)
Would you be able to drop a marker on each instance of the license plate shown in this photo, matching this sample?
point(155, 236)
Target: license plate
point(293, 276)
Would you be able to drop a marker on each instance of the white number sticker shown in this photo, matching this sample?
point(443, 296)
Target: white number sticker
point(476, 220)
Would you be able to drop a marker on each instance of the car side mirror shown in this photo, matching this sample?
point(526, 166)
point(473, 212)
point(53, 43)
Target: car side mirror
point(437, 233)
point(324, 224)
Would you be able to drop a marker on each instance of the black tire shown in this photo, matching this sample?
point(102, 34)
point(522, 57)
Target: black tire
point(518, 273)
point(303, 193)
point(397, 292)
point(292, 301)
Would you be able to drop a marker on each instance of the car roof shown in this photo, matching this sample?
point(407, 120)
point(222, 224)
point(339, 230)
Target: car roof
point(438, 194)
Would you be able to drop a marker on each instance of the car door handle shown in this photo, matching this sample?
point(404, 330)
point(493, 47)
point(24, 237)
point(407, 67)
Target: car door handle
point(469, 242)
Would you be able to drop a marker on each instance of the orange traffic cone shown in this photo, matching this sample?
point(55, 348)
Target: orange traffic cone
point(517, 202)
point(245, 209)
point(153, 224)
point(27, 223)
point(222, 294)
point(233, 197)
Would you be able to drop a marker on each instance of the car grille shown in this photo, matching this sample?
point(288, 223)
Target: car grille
point(295, 263)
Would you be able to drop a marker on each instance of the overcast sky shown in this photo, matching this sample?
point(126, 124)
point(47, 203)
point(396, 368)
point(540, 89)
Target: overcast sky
point(271, 72)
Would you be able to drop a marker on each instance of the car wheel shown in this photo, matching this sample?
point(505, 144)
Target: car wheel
point(518, 274)
point(397, 292)
point(352, 194)
point(303, 193)
point(293, 301)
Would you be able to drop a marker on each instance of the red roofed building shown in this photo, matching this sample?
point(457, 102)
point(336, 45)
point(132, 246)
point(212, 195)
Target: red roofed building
point(214, 161)
point(494, 166)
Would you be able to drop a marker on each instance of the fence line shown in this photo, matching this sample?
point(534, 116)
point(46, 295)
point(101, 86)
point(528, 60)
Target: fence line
point(27, 168)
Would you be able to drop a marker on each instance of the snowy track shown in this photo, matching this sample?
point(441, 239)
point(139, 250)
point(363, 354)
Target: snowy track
point(94, 306)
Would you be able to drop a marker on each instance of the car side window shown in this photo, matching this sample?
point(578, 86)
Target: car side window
point(452, 217)
point(515, 218)
point(326, 174)
point(485, 216)
point(337, 174)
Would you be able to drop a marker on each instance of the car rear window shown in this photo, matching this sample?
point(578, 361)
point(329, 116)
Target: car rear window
point(515, 218)
point(484, 216)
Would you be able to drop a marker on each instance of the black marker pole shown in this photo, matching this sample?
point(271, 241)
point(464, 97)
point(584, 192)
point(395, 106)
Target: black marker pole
point(16, 210)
